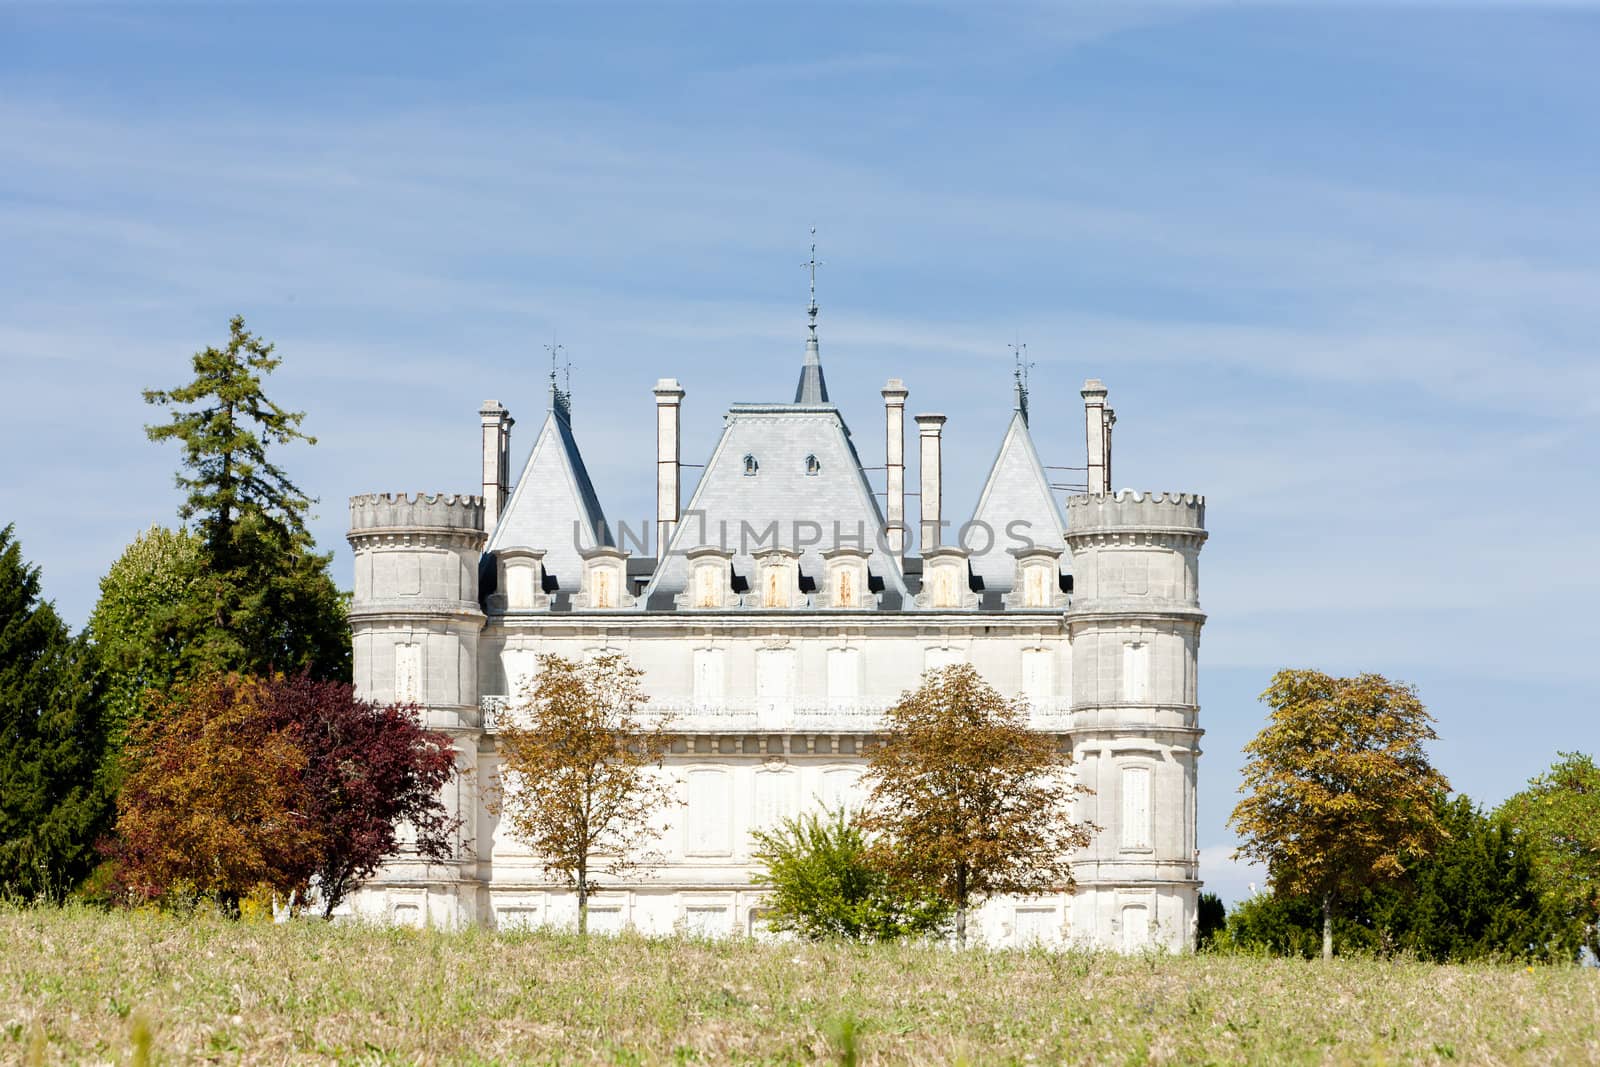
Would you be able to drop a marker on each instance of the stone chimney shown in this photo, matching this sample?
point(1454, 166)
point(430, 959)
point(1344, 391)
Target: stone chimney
point(669, 398)
point(894, 452)
point(931, 429)
point(497, 423)
point(1097, 435)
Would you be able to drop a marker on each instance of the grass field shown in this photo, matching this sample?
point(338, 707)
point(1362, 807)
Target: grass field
point(81, 986)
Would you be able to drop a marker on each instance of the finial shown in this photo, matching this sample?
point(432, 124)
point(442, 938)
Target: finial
point(812, 265)
point(560, 400)
point(1020, 366)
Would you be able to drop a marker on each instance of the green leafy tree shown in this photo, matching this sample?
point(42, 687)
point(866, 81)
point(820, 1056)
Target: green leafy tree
point(967, 800)
point(1475, 897)
point(1558, 818)
point(138, 624)
point(53, 802)
point(580, 777)
point(263, 600)
point(825, 881)
point(1339, 792)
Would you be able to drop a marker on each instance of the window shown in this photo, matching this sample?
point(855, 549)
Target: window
point(750, 466)
point(706, 921)
point(407, 673)
point(938, 658)
point(520, 666)
point(1136, 808)
point(708, 815)
point(812, 466)
point(1034, 925)
point(944, 588)
point(844, 675)
point(603, 597)
point(776, 589)
point(709, 674)
point(1136, 671)
point(1038, 676)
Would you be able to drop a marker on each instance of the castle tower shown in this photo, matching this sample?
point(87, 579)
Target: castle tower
point(1135, 630)
point(415, 620)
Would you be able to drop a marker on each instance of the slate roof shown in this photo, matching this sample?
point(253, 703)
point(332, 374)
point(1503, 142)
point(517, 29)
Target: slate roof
point(732, 509)
point(553, 497)
point(812, 387)
point(1017, 489)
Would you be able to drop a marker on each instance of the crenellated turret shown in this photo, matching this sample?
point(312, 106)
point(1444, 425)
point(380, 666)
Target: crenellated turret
point(1134, 624)
point(414, 622)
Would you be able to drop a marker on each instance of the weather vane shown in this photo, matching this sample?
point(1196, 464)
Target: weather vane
point(812, 265)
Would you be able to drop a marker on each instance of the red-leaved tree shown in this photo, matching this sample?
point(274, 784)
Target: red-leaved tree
point(237, 784)
point(370, 769)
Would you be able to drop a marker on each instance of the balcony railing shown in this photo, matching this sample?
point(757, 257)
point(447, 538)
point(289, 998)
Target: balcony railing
point(829, 716)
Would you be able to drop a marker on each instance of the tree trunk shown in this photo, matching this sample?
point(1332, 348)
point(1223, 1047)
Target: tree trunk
point(583, 898)
point(1327, 926)
point(961, 906)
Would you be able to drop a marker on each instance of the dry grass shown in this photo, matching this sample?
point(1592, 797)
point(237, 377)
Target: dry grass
point(80, 986)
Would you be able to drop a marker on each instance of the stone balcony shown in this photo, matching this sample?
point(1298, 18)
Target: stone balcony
point(796, 716)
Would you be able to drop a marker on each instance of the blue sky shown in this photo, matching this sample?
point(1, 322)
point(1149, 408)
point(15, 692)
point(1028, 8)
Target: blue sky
point(1339, 266)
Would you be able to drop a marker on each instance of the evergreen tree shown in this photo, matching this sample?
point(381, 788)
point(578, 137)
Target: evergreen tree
point(264, 600)
point(53, 804)
point(1475, 897)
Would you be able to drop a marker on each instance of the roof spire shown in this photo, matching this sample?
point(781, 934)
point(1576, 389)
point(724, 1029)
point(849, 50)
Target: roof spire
point(1020, 366)
point(813, 389)
point(560, 399)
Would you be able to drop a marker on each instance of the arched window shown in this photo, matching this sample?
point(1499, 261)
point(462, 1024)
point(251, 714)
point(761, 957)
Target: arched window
point(750, 465)
point(812, 466)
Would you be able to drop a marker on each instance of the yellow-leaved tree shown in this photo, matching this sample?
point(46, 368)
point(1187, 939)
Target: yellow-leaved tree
point(967, 800)
point(1339, 792)
point(580, 777)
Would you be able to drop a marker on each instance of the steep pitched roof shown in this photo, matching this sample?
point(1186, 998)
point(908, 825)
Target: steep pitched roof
point(735, 510)
point(812, 388)
point(1016, 490)
point(554, 506)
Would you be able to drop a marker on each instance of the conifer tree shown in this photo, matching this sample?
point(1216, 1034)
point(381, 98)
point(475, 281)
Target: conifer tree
point(264, 600)
point(53, 803)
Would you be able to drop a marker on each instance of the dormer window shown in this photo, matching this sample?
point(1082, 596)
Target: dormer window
point(750, 466)
point(812, 466)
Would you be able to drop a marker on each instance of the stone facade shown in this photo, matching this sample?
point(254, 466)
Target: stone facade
point(776, 659)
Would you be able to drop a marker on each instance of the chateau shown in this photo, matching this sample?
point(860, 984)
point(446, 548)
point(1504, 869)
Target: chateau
point(777, 614)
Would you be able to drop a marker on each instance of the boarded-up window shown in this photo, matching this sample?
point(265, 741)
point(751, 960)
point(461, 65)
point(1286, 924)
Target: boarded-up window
point(846, 597)
point(708, 816)
point(1136, 808)
point(936, 658)
point(1135, 928)
point(1035, 925)
point(520, 665)
point(944, 588)
point(603, 595)
point(844, 675)
point(774, 681)
point(708, 587)
point(838, 788)
point(709, 673)
point(1136, 671)
point(775, 798)
point(777, 588)
point(519, 586)
point(1136, 575)
point(1038, 676)
point(407, 673)
point(1036, 588)
point(706, 921)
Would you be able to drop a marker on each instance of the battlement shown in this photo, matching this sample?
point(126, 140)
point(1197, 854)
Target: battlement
point(1128, 509)
point(420, 511)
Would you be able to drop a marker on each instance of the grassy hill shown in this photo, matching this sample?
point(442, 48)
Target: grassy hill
point(78, 985)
